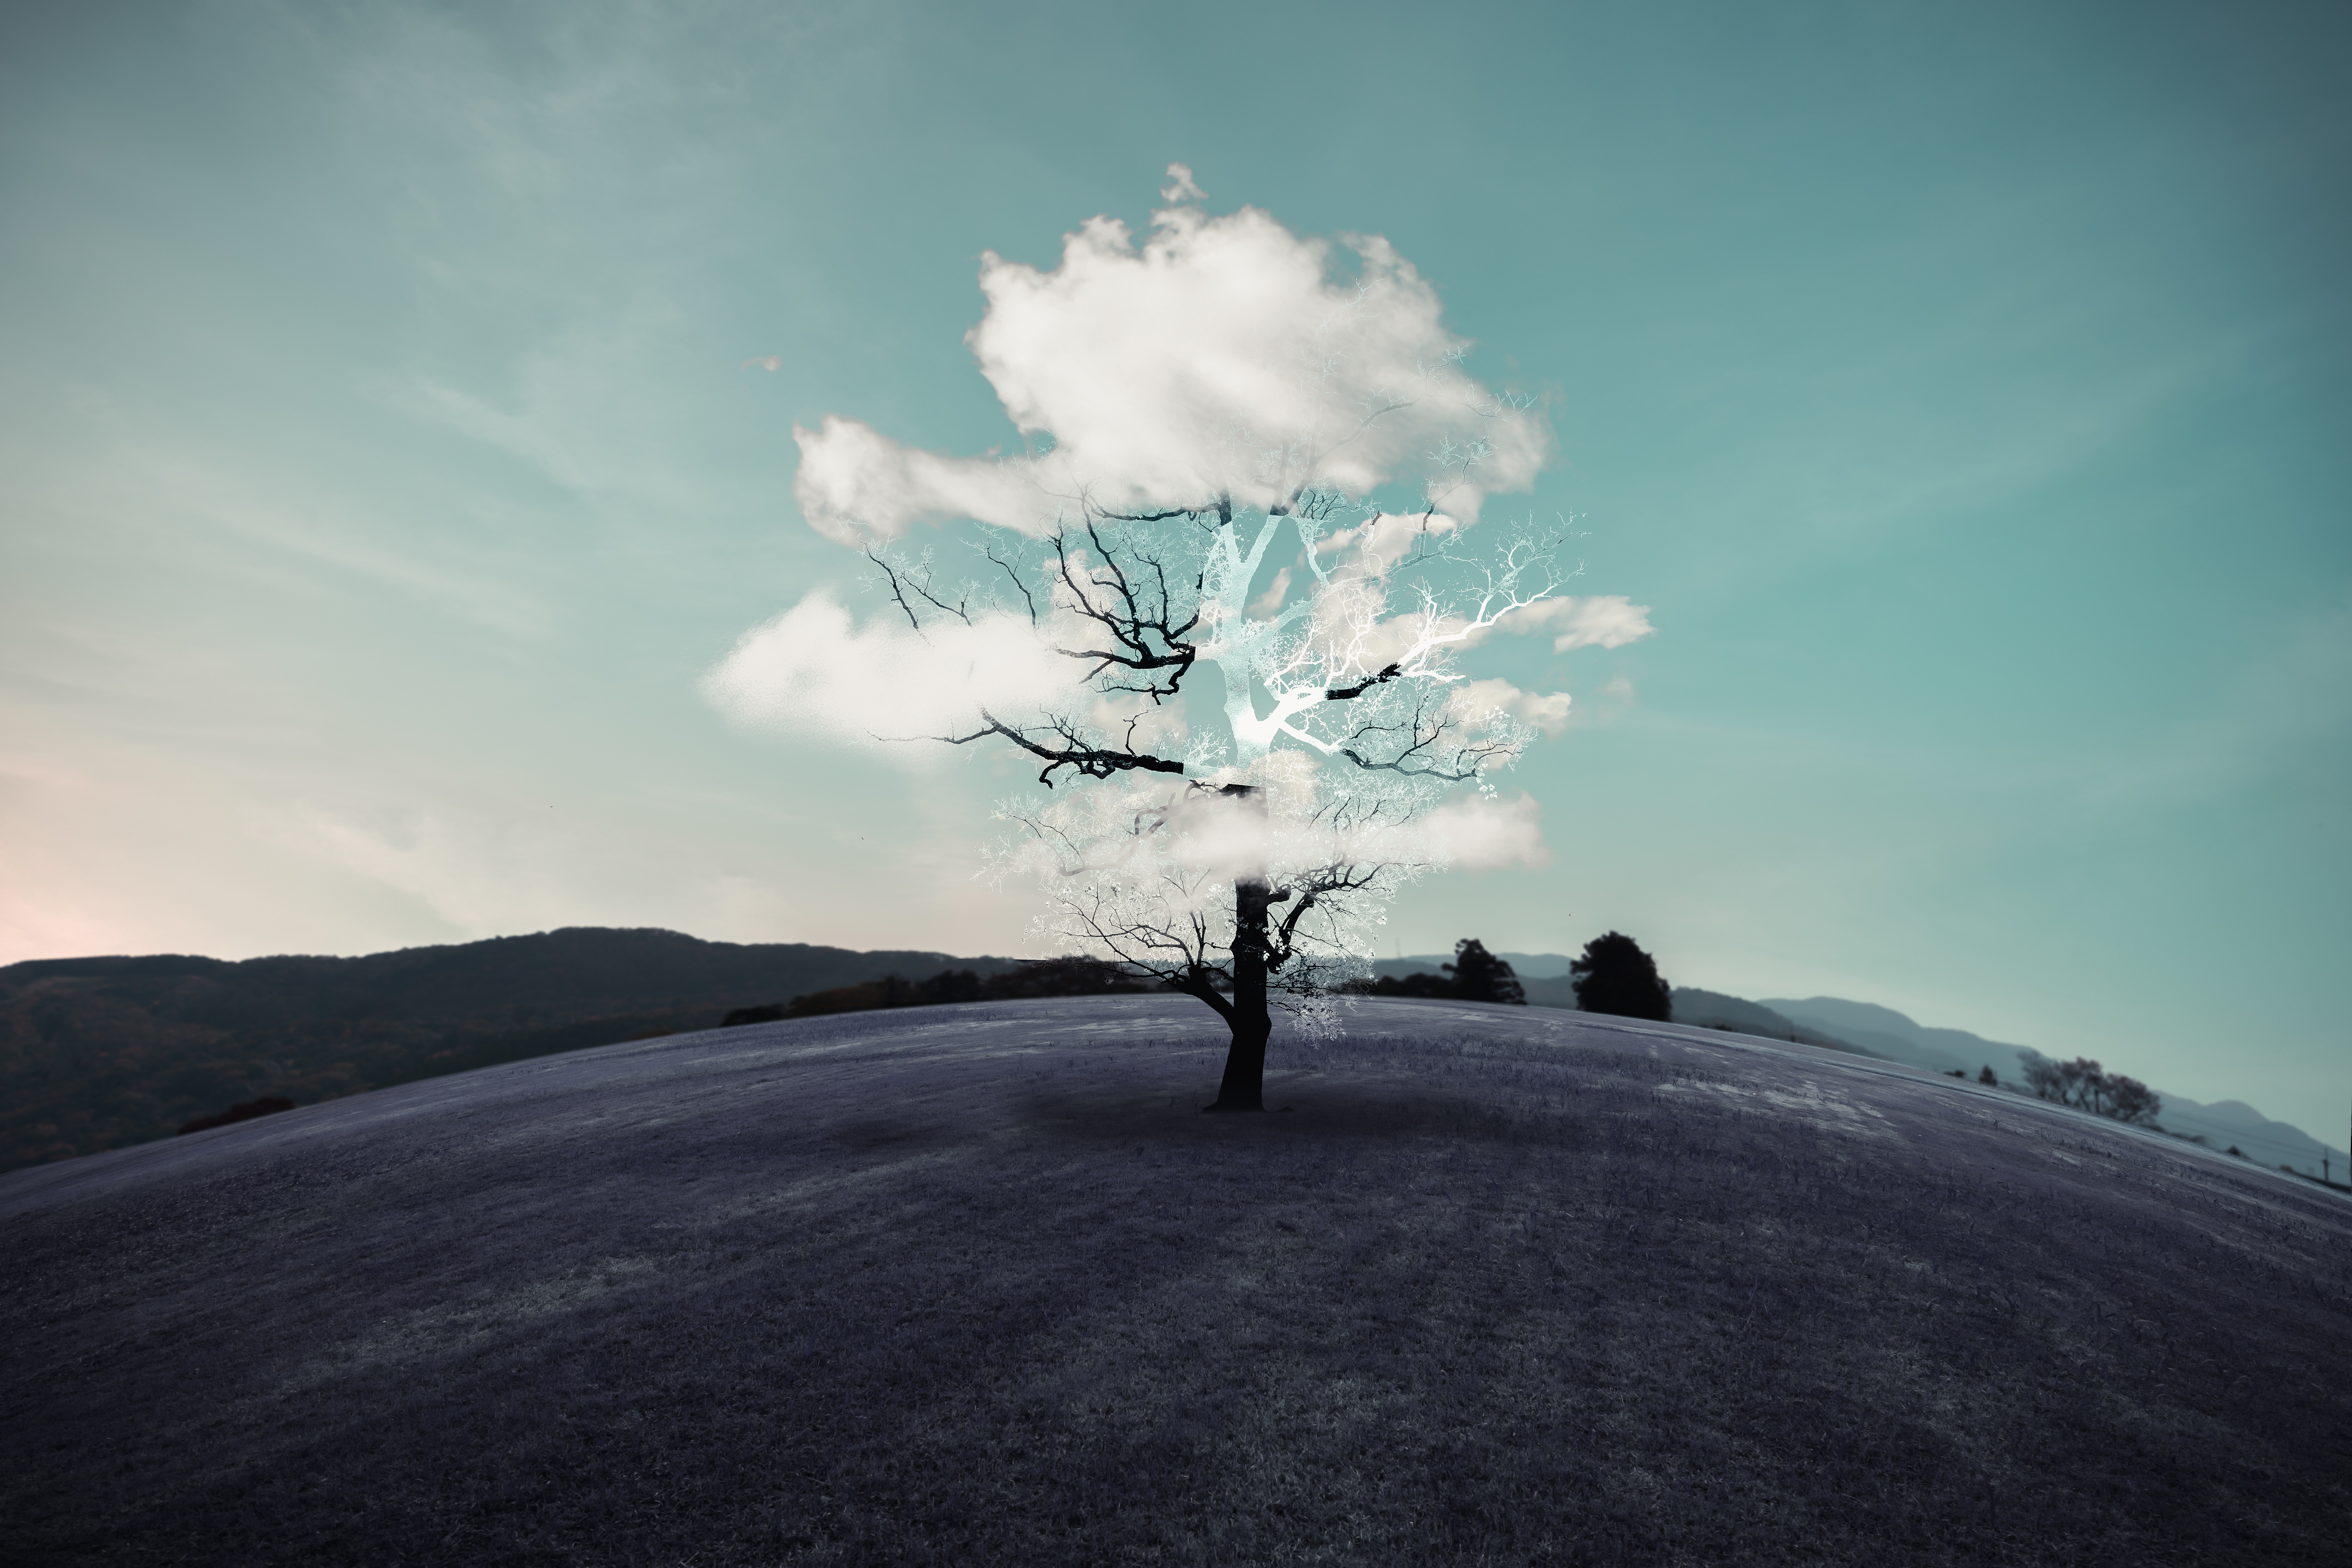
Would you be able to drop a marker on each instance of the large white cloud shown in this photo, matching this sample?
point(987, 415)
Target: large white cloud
point(1218, 354)
point(813, 668)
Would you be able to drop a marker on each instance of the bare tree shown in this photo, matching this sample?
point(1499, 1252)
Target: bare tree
point(1240, 862)
point(1203, 602)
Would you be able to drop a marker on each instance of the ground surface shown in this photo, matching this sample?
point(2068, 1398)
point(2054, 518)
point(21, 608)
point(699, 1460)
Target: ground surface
point(979, 1284)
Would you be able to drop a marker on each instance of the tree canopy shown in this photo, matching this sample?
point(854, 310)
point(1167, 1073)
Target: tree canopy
point(1480, 976)
point(2084, 1085)
point(1614, 975)
point(1226, 590)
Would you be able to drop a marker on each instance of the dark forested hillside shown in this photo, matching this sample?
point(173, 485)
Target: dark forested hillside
point(100, 1052)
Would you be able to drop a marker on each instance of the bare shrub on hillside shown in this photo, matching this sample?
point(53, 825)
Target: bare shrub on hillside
point(2084, 1085)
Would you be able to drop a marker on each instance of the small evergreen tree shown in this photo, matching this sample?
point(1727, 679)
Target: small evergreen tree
point(1480, 976)
point(1614, 975)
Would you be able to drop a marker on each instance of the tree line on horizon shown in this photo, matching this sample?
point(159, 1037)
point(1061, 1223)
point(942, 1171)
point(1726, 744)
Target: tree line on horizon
point(1613, 976)
point(1071, 975)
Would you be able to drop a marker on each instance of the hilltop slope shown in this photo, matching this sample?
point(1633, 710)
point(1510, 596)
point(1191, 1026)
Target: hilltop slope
point(1886, 1032)
point(978, 1285)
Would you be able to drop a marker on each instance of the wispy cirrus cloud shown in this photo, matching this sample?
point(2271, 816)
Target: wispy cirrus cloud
point(2288, 704)
point(160, 491)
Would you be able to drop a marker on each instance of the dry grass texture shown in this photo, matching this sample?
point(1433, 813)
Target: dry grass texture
point(980, 1285)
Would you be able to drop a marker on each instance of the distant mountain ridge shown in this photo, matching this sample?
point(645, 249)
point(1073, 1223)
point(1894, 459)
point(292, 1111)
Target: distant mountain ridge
point(99, 1052)
point(575, 966)
point(1713, 1010)
point(1895, 1037)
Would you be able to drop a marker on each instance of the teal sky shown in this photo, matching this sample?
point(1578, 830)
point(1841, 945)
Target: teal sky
point(1964, 388)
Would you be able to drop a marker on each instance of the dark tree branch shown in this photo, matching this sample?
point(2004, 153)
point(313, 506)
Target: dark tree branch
point(1400, 767)
point(1344, 693)
point(1133, 628)
point(921, 586)
point(1091, 761)
point(1466, 763)
point(1017, 582)
point(893, 576)
point(957, 610)
point(1187, 512)
point(1329, 879)
point(1179, 961)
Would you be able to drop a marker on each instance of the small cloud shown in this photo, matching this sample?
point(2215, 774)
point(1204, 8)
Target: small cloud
point(812, 668)
point(1545, 712)
point(1613, 701)
point(852, 478)
point(765, 362)
point(1270, 602)
point(1181, 186)
point(1607, 620)
point(1384, 539)
point(1485, 833)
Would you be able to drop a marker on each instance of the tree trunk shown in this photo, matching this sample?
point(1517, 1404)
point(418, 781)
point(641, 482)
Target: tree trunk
point(1244, 1087)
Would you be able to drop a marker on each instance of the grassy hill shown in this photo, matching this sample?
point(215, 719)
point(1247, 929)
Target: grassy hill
point(978, 1284)
point(1871, 1030)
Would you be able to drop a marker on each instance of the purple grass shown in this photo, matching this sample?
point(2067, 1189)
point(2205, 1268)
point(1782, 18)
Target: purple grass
point(979, 1284)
